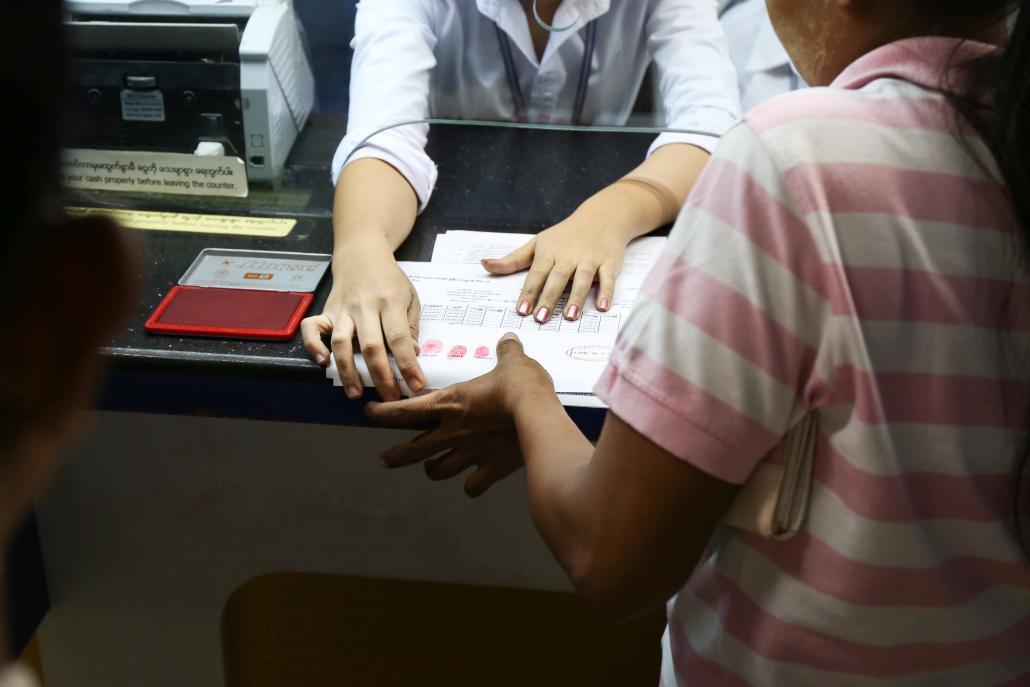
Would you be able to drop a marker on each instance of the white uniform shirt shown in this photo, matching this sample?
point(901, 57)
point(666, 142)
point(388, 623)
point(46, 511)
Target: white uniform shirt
point(762, 63)
point(442, 58)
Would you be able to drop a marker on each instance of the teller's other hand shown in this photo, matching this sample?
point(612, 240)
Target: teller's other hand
point(577, 250)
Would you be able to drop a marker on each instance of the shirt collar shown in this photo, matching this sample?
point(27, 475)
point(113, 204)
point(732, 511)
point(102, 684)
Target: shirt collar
point(585, 10)
point(920, 61)
point(508, 15)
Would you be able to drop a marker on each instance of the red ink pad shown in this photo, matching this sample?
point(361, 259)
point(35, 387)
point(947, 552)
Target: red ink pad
point(234, 313)
point(241, 294)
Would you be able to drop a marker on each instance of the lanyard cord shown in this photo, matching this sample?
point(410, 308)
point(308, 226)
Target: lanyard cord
point(582, 86)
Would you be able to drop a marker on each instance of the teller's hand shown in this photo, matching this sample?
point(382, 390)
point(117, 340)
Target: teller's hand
point(575, 249)
point(373, 301)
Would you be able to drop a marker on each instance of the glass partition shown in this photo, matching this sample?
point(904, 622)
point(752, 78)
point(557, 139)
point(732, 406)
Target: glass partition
point(314, 83)
point(510, 176)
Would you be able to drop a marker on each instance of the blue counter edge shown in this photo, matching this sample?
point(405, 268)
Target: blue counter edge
point(263, 399)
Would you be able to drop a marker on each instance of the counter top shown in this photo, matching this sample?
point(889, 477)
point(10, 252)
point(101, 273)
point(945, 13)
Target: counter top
point(507, 180)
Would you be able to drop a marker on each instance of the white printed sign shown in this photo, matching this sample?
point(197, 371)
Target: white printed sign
point(145, 172)
point(143, 106)
point(256, 270)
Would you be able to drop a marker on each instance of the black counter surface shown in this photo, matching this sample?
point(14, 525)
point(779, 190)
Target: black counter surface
point(507, 180)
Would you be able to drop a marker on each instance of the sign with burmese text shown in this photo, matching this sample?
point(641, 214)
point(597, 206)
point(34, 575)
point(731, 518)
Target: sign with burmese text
point(145, 172)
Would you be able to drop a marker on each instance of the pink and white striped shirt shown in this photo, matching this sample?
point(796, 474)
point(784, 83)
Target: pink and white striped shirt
point(845, 252)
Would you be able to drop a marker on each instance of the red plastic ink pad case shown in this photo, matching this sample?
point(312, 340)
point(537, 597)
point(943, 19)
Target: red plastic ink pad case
point(241, 294)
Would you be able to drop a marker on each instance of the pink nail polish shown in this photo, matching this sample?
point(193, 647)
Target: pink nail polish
point(603, 305)
point(542, 315)
point(523, 308)
point(572, 312)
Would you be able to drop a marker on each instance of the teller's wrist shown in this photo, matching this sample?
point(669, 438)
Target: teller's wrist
point(362, 248)
point(620, 209)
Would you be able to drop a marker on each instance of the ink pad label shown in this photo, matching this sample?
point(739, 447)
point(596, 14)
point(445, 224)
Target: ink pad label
point(257, 270)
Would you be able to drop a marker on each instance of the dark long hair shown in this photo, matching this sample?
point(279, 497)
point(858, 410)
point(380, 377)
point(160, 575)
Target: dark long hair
point(996, 101)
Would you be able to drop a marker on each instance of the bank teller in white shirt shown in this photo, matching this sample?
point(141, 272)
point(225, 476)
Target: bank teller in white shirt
point(555, 61)
point(763, 66)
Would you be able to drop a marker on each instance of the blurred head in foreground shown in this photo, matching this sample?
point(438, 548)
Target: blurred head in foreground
point(64, 284)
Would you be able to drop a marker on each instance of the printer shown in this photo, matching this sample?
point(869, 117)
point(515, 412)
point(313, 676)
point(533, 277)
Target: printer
point(190, 76)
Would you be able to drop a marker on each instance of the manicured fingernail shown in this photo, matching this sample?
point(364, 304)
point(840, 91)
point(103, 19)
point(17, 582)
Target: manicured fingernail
point(523, 308)
point(353, 392)
point(572, 311)
point(542, 315)
point(603, 305)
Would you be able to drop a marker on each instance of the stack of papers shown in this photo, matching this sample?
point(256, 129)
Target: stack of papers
point(466, 310)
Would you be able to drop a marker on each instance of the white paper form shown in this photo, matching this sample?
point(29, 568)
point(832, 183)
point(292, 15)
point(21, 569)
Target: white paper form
point(465, 311)
point(470, 247)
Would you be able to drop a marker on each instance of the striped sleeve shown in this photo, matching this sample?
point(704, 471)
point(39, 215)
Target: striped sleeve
point(718, 359)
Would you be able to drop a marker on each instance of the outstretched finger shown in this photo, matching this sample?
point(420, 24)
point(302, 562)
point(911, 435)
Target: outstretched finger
point(311, 331)
point(343, 353)
point(414, 313)
point(448, 465)
point(518, 259)
point(397, 331)
point(480, 480)
point(556, 282)
point(422, 447)
point(581, 284)
point(534, 284)
point(410, 411)
point(606, 286)
point(370, 338)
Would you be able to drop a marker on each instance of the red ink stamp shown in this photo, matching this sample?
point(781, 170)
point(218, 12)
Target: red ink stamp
point(482, 351)
point(432, 347)
point(457, 352)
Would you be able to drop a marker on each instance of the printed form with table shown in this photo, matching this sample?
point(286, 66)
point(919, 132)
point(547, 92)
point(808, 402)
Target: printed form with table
point(466, 310)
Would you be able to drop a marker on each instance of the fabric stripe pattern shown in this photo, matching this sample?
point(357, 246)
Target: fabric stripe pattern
point(851, 251)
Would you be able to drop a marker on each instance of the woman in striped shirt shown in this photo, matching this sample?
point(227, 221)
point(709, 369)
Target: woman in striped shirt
point(856, 251)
